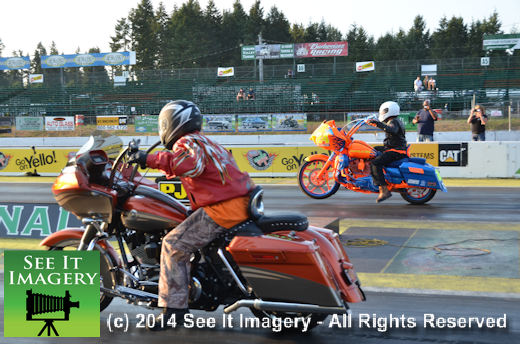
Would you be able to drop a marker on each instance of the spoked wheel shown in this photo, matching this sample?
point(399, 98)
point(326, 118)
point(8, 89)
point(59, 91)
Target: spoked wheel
point(313, 186)
point(106, 280)
point(315, 318)
point(418, 195)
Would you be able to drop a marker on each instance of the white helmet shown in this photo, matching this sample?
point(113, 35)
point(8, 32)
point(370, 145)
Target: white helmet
point(387, 110)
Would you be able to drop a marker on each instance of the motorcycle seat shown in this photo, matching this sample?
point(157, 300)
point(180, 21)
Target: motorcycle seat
point(397, 163)
point(283, 222)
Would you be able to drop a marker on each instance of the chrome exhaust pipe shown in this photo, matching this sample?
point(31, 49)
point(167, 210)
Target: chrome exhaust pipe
point(285, 307)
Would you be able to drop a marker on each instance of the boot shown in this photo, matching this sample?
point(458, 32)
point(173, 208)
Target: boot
point(384, 194)
point(162, 324)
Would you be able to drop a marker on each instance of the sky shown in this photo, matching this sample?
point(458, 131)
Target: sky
point(90, 24)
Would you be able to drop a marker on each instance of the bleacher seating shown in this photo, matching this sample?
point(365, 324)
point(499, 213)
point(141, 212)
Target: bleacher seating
point(346, 91)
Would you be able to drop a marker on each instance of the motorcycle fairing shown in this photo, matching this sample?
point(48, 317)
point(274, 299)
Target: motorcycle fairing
point(425, 176)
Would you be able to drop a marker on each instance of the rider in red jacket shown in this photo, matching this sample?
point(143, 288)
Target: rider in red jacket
point(218, 192)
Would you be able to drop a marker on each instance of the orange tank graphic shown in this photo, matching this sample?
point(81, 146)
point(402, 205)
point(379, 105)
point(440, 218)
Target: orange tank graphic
point(361, 150)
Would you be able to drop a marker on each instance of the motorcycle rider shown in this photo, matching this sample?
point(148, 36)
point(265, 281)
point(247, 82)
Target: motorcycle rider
point(218, 192)
point(394, 148)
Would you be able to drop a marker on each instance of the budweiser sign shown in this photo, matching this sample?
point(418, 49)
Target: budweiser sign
point(321, 49)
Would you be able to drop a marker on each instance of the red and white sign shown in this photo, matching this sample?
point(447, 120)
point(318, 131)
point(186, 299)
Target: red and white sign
point(320, 49)
point(496, 113)
point(35, 78)
point(365, 66)
point(59, 123)
point(226, 71)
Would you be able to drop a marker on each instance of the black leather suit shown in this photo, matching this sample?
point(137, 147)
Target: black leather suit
point(395, 139)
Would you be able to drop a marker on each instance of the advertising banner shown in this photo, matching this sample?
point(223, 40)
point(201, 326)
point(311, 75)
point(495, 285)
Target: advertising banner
point(15, 63)
point(59, 123)
point(29, 123)
point(36, 78)
point(289, 121)
point(112, 122)
point(17, 161)
point(147, 124)
point(496, 113)
point(6, 124)
point(320, 49)
point(89, 60)
point(248, 123)
point(226, 71)
point(248, 52)
point(501, 42)
point(219, 123)
point(365, 66)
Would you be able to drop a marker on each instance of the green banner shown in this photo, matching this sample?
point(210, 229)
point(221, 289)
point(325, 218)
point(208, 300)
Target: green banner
point(29, 123)
point(501, 42)
point(406, 118)
point(248, 52)
point(147, 124)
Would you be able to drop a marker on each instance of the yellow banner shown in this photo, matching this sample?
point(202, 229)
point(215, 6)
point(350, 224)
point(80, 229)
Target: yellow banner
point(102, 120)
point(41, 160)
point(429, 151)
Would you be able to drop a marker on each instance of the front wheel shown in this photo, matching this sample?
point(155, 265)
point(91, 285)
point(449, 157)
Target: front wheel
point(107, 280)
point(314, 187)
point(315, 319)
point(417, 195)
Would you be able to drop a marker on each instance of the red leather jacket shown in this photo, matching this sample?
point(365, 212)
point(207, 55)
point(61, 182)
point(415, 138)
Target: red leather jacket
point(207, 170)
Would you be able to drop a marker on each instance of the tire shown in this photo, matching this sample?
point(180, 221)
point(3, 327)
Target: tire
point(316, 318)
point(308, 183)
point(417, 195)
point(104, 270)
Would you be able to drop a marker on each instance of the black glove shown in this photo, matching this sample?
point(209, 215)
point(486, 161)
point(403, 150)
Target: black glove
point(138, 157)
point(133, 146)
point(375, 123)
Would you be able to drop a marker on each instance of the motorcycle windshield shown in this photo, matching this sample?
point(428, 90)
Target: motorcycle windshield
point(101, 140)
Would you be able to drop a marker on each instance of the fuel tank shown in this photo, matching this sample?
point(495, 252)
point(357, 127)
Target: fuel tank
point(151, 210)
point(361, 150)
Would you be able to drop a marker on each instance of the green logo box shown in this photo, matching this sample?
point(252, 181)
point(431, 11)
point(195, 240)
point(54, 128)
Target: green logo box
point(51, 293)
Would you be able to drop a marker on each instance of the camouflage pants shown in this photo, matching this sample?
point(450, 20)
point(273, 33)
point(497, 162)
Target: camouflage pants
point(177, 246)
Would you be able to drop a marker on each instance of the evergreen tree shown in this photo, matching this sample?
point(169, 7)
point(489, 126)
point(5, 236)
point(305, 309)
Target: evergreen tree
point(233, 26)
point(36, 61)
point(142, 23)
point(2, 47)
point(255, 22)
point(360, 44)
point(122, 38)
point(418, 40)
point(161, 32)
point(277, 27)
point(212, 33)
point(450, 39)
point(297, 32)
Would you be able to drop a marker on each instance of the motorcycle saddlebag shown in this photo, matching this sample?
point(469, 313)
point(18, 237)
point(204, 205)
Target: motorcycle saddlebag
point(284, 268)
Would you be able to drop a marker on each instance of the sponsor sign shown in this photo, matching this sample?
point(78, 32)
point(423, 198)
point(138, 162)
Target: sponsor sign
point(175, 189)
point(29, 123)
point(51, 293)
point(36, 78)
point(248, 52)
point(112, 122)
point(89, 60)
point(501, 42)
point(429, 151)
point(301, 68)
point(15, 63)
point(34, 220)
point(484, 61)
point(59, 123)
point(320, 49)
point(226, 71)
point(289, 121)
point(147, 124)
point(6, 124)
point(453, 154)
point(286, 51)
point(218, 123)
point(259, 122)
point(365, 66)
point(496, 113)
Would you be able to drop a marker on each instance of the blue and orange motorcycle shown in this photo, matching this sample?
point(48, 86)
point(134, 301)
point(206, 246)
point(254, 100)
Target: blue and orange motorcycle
point(348, 165)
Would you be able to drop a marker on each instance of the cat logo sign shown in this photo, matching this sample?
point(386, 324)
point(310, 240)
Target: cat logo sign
point(453, 154)
point(174, 189)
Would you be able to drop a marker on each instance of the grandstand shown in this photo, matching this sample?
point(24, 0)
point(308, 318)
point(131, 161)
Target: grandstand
point(339, 88)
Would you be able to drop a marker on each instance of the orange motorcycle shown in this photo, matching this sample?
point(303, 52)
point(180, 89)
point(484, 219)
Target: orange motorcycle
point(276, 265)
point(348, 165)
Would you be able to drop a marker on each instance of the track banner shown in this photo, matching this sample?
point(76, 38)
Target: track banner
point(89, 60)
point(23, 62)
point(59, 123)
point(112, 122)
point(226, 71)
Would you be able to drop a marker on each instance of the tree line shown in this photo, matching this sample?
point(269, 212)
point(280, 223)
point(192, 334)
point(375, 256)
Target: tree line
point(191, 36)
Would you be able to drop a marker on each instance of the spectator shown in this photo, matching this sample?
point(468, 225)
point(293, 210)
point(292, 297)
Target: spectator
point(425, 81)
point(417, 84)
point(432, 84)
point(315, 98)
point(478, 121)
point(290, 73)
point(425, 120)
point(251, 94)
point(241, 94)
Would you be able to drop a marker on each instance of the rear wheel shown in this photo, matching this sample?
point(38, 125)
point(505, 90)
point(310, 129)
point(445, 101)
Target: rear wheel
point(106, 280)
point(315, 319)
point(418, 195)
point(313, 186)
